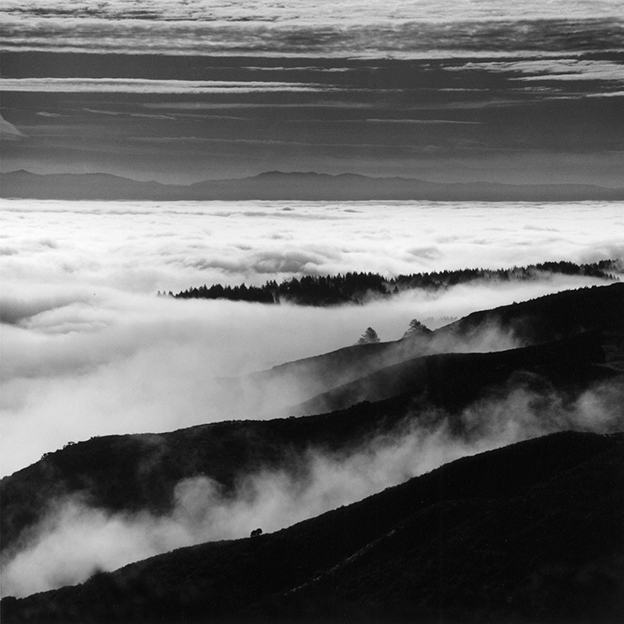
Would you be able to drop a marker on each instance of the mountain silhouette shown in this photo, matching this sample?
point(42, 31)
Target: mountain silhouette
point(278, 185)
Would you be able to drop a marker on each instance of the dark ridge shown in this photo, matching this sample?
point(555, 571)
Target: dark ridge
point(545, 319)
point(531, 532)
point(551, 317)
point(454, 381)
point(356, 288)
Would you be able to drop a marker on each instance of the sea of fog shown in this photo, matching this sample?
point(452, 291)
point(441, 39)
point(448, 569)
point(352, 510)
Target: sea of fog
point(89, 349)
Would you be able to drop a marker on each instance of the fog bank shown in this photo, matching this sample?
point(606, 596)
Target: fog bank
point(88, 349)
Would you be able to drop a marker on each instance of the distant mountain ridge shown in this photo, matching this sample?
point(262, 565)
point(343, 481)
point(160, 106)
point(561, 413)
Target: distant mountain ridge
point(277, 185)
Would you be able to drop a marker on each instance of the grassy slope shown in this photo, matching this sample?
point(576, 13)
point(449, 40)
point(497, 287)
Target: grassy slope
point(137, 472)
point(530, 532)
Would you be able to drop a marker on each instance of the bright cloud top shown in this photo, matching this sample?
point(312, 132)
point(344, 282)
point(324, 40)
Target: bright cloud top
point(147, 246)
point(88, 349)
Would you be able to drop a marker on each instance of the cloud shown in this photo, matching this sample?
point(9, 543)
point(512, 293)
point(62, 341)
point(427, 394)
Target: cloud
point(200, 106)
point(88, 349)
point(143, 85)
point(422, 121)
point(8, 131)
point(565, 69)
point(364, 29)
point(317, 11)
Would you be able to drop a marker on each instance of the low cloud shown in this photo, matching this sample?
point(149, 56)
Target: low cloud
point(88, 348)
point(145, 247)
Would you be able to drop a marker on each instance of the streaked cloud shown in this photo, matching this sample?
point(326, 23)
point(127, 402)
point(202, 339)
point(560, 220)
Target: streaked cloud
point(315, 11)
point(552, 69)
point(423, 121)
point(8, 131)
point(142, 85)
point(312, 32)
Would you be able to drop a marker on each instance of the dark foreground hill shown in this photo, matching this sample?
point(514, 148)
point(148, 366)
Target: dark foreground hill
point(533, 532)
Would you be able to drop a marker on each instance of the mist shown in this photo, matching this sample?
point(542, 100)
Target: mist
point(78, 363)
point(88, 349)
point(75, 539)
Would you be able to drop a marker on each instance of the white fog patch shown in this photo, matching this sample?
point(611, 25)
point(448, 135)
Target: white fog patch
point(75, 539)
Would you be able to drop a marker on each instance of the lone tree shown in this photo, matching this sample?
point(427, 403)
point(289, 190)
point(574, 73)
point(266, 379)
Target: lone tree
point(415, 329)
point(369, 337)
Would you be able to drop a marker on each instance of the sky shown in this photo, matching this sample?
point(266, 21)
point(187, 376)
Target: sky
point(516, 92)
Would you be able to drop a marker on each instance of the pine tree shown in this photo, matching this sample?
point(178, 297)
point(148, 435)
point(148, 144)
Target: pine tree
point(369, 337)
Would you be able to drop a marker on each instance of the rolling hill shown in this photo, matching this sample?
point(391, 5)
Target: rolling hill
point(366, 391)
point(532, 532)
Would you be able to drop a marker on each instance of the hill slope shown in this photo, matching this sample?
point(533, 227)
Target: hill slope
point(528, 533)
point(140, 472)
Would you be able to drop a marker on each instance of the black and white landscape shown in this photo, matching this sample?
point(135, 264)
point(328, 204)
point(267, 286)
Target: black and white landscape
point(312, 311)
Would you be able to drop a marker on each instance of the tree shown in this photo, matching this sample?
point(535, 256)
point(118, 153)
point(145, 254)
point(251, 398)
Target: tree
point(369, 337)
point(416, 328)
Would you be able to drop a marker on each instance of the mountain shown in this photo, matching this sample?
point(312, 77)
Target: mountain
point(531, 532)
point(78, 186)
point(359, 394)
point(288, 186)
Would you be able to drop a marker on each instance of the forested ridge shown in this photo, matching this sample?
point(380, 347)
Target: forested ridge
point(356, 287)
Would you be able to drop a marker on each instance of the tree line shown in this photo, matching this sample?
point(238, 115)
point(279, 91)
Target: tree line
point(357, 288)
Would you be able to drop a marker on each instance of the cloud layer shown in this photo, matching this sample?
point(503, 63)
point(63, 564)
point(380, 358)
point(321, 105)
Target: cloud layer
point(88, 349)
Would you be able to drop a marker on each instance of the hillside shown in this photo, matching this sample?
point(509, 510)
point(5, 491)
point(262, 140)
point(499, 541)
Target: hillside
point(541, 320)
point(531, 532)
point(550, 317)
point(277, 186)
point(383, 391)
point(454, 381)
